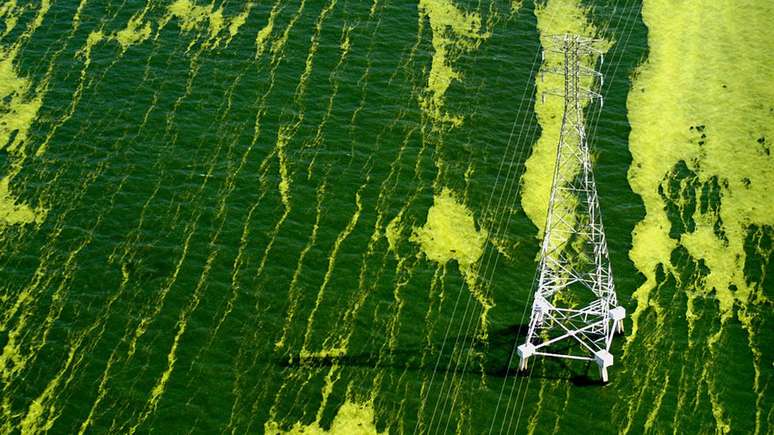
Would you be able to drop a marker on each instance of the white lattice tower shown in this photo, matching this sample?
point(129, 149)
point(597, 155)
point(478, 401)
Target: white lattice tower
point(575, 312)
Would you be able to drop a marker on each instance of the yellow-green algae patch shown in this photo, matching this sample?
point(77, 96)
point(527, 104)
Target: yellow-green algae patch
point(10, 12)
point(19, 106)
point(352, 418)
point(393, 232)
point(237, 22)
point(19, 103)
point(679, 111)
point(135, 32)
point(263, 35)
point(516, 6)
point(12, 213)
point(703, 103)
point(450, 234)
point(556, 17)
point(453, 31)
point(192, 15)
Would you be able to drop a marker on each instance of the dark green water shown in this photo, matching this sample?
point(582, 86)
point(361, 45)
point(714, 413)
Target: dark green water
point(202, 196)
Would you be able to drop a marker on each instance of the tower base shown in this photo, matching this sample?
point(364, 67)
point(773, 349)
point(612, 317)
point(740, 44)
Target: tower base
point(604, 359)
point(525, 351)
point(617, 314)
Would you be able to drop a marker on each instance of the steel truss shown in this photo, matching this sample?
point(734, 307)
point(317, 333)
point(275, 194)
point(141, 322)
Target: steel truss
point(575, 312)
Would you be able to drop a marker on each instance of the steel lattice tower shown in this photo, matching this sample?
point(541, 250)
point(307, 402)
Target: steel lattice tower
point(575, 311)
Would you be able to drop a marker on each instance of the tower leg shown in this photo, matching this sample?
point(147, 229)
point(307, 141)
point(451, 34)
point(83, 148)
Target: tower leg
point(525, 351)
point(604, 360)
point(603, 373)
point(617, 314)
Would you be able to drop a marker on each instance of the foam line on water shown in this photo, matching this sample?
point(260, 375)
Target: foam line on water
point(567, 390)
point(391, 233)
point(191, 225)
point(182, 324)
point(294, 292)
point(15, 355)
point(438, 280)
point(42, 411)
point(276, 49)
point(284, 135)
point(534, 418)
point(332, 257)
point(125, 258)
point(345, 45)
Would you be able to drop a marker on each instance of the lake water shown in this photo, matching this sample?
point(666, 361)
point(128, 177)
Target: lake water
point(325, 215)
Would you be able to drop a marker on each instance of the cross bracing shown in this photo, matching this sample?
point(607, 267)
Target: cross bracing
point(575, 312)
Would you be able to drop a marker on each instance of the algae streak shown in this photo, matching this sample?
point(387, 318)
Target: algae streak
point(352, 418)
point(454, 31)
point(13, 213)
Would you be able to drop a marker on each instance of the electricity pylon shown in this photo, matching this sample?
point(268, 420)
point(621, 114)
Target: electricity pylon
point(575, 311)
